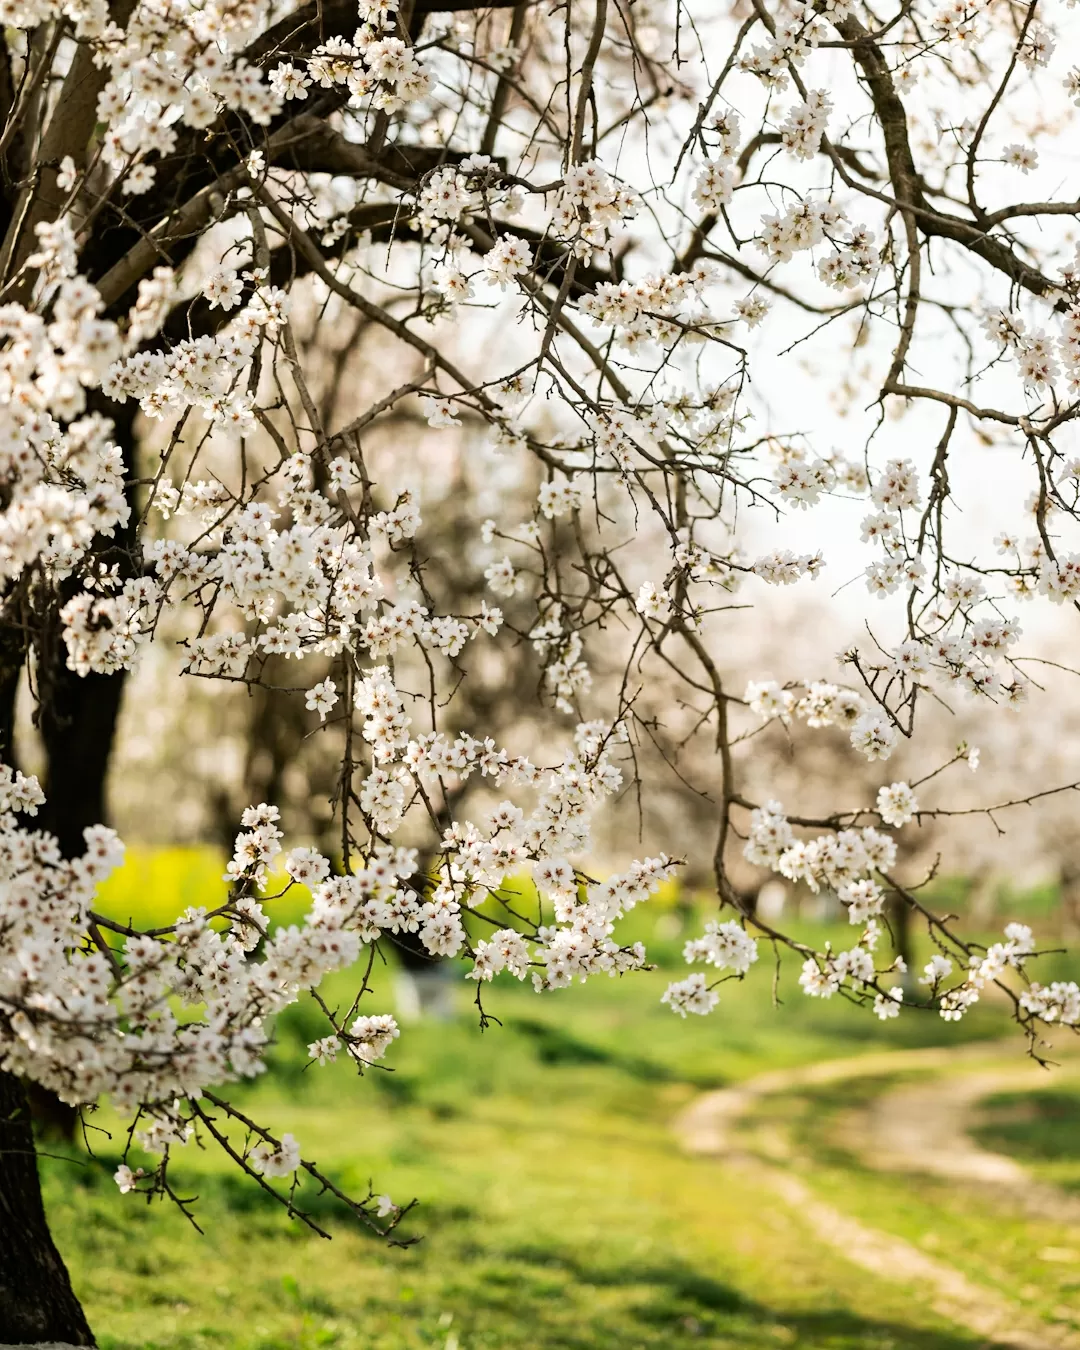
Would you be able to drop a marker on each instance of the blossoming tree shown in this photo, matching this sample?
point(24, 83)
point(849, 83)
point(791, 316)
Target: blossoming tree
point(626, 192)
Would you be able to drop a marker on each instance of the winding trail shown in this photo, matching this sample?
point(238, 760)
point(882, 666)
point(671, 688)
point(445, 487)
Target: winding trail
point(913, 1128)
point(923, 1127)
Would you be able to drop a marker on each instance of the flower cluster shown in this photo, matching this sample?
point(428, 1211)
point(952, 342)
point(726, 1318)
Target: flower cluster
point(827, 705)
point(715, 183)
point(789, 42)
point(63, 484)
point(805, 124)
point(592, 208)
point(998, 959)
point(727, 946)
point(664, 309)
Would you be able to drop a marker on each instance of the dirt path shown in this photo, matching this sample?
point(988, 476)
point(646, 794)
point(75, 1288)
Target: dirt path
point(924, 1127)
point(907, 1129)
point(705, 1126)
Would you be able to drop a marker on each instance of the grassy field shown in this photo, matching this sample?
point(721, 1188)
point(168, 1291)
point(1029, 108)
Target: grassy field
point(555, 1209)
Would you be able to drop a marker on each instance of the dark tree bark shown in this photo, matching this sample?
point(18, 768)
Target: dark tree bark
point(78, 726)
point(898, 912)
point(78, 714)
point(11, 661)
point(37, 1302)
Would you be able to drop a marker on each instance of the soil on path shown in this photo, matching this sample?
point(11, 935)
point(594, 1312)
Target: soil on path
point(914, 1128)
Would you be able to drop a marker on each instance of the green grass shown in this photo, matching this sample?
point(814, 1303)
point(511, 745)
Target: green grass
point(555, 1209)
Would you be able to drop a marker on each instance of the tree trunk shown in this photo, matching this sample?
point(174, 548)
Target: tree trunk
point(78, 727)
point(37, 1302)
point(11, 662)
point(78, 714)
point(77, 719)
point(899, 917)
